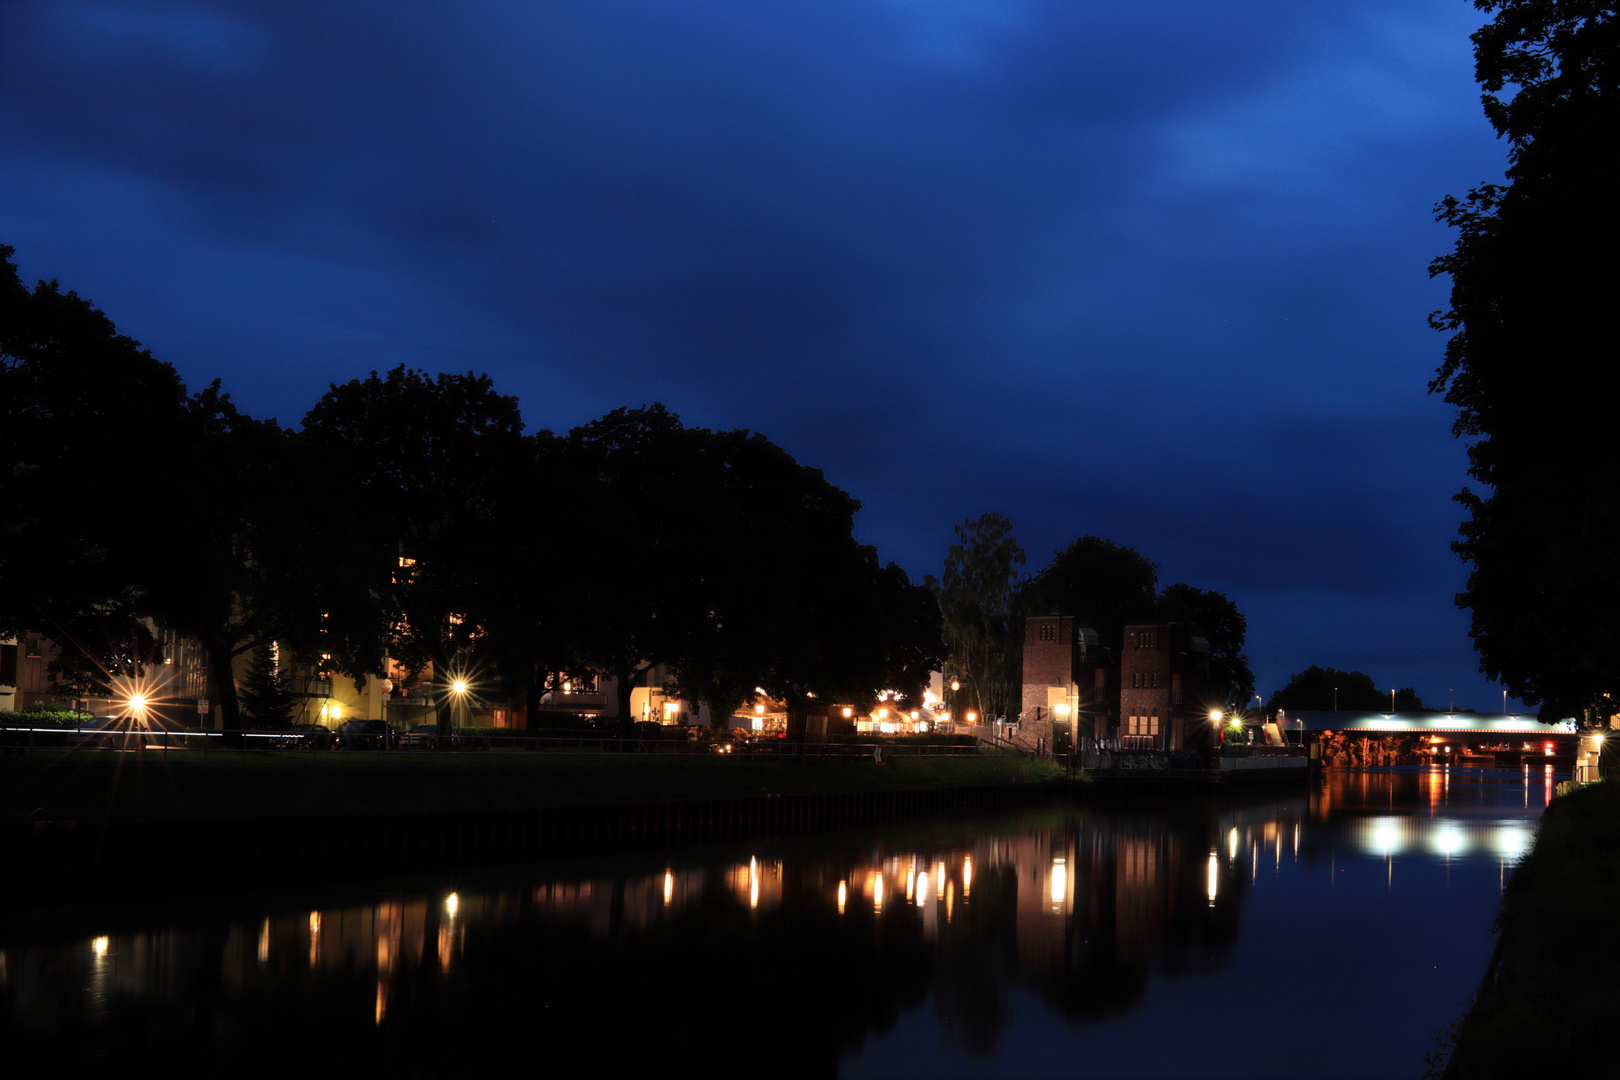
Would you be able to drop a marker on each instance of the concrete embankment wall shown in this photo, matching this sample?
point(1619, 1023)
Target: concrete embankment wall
point(65, 859)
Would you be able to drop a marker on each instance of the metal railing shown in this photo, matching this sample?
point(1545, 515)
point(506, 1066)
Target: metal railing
point(281, 743)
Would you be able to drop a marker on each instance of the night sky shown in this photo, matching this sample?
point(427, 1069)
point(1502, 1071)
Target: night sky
point(1155, 271)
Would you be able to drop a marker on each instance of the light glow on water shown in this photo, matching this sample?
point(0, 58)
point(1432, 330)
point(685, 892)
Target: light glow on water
point(1089, 919)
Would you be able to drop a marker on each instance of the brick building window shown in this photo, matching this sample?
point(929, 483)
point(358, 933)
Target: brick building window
point(1048, 633)
point(1142, 725)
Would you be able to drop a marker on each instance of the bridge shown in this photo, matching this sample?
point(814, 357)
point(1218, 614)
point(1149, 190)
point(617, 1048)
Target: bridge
point(1507, 739)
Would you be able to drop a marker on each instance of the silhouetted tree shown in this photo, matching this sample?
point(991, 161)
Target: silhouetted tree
point(266, 693)
point(1534, 277)
point(1318, 689)
point(1213, 612)
point(1106, 582)
point(979, 601)
point(422, 461)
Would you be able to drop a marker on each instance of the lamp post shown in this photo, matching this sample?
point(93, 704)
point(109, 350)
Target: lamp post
point(459, 688)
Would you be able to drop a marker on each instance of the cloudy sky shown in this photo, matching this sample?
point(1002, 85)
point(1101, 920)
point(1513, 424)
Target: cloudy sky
point(1153, 271)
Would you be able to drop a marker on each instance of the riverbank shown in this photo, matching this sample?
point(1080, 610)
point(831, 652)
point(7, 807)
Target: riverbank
point(1548, 999)
point(106, 786)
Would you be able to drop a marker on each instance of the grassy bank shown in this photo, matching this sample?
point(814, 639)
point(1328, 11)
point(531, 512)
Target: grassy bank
point(1550, 999)
point(97, 785)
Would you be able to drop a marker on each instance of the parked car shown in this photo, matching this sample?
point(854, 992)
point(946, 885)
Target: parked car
point(422, 736)
point(419, 737)
point(364, 735)
point(304, 737)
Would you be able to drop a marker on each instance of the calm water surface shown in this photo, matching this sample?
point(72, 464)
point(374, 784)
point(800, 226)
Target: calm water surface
point(1321, 935)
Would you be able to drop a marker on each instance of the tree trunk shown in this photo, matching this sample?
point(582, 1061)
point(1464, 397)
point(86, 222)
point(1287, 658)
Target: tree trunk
point(798, 719)
point(223, 684)
point(531, 704)
point(625, 682)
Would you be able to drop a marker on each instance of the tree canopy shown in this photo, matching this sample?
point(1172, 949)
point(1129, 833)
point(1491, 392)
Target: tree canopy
point(1213, 612)
point(1534, 278)
point(980, 599)
point(410, 518)
point(1113, 585)
point(1319, 689)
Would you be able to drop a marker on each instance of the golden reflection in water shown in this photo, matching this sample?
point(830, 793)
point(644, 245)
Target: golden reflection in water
point(669, 887)
point(843, 895)
point(753, 882)
point(922, 888)
point(911, 884)
point(444, 947)
point(939, 879)
point(877, 892)
point(1060, 883)
point(1214, 876)
point(967, 876)
point(390, 926)
point(1231, 845)
point(264, 942)
point(950, 899)
point(100, 988)
point(452, 904)
point(314, 940)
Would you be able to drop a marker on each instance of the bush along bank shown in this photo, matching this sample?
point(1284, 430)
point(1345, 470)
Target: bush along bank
point(1548, 996)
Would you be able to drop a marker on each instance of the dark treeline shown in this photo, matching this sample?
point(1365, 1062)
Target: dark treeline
point(411, 517)
point(984, 596)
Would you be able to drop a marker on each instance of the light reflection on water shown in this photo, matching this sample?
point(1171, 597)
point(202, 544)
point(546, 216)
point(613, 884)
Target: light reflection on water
point(966, 947)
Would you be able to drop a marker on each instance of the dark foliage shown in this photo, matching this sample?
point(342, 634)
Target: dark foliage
point(1534, 277)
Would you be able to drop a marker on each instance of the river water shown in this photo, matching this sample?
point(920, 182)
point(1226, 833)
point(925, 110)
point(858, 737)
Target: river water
point(1321, 934)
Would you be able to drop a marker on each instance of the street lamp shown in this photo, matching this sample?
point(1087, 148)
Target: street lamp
point(459, 688)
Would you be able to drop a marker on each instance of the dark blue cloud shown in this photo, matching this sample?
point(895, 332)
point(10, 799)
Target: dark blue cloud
point(1156, 272)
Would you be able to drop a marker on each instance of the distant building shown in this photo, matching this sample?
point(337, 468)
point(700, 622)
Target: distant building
point(1163, 686)
point(1144, 692)
point(1070, 686)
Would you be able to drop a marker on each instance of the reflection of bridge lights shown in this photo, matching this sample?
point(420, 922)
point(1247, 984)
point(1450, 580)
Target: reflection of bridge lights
point(967, 876)
point(911, 884)
point(923, 881)
point(1214, 876)
point(1447, 840)
point(669, 887)
point(939, 879)
point(1384, 837)
point(1060, 880)
point(877, 893)
point(99, 946)
point(452, 904)
point(1511, 841)
point(1231, 844)
point(843, 895)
